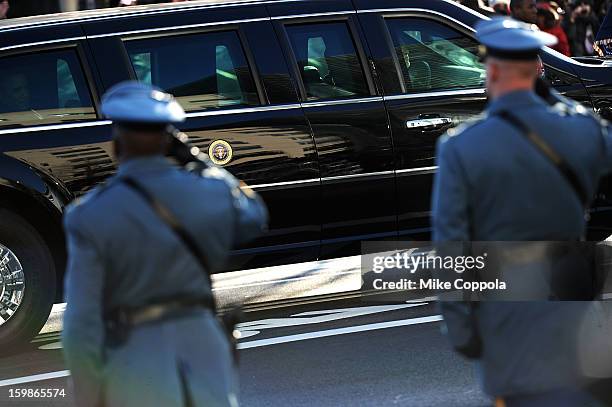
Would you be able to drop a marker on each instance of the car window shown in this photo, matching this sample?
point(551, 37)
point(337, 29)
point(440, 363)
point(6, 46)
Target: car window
point(141, 61)
point(43, 88)
point(433, 56)
point(203, 71)
point(327, 61)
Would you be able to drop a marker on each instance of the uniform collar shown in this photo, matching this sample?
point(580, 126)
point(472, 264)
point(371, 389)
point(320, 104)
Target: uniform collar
point(143, 165)
point(512, 100)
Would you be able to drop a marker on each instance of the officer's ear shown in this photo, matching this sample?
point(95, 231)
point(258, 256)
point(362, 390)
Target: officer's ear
point(117, 148)
point(493, 70)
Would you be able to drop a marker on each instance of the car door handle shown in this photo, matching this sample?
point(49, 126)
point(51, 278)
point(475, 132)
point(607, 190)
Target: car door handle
point(431, 122)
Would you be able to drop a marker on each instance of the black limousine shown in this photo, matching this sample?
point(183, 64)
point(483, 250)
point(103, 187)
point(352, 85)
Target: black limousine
point(330, 109)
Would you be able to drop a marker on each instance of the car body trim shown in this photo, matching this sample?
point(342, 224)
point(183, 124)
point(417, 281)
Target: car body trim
point(458, 92)
point(466, 8)
point(33, 44)
point(418, 10)
point(363, 175)
point(334, 178)
point(285, 183)
point(254, 109)
point(333, 13)
point(55, 127)
point(178, 27)
point(419, 170)
point(342, 102)
point(368, 236)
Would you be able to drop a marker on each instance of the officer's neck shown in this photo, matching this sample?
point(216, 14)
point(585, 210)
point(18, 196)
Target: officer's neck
point(129, 157)
point(501, 89)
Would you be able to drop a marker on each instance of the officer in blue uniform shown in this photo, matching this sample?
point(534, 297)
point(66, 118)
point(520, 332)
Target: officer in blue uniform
point(494, 184)
point(171, 350)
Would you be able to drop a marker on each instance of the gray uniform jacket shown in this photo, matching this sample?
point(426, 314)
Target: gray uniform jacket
point(493, 185)
point(122, 254)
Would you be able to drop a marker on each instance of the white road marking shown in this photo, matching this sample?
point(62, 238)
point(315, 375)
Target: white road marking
point(51, 346)
point(253, 328)
point(260, 343)
point(47, 338)
point(338, 331)
point(34, 378)
point(248, 329)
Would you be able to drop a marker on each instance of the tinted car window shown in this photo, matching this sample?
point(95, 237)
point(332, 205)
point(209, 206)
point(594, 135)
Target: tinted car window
point(203, 71)
point(327, 61)
point(43, 88)
point(433, 56)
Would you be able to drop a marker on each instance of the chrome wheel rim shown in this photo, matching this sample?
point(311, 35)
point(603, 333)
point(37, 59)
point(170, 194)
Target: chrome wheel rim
point(12, 284)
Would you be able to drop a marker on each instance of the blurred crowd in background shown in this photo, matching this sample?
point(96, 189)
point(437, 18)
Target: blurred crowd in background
point(574, 22)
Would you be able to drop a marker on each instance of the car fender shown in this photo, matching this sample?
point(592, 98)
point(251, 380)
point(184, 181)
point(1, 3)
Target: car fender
point(42, 187)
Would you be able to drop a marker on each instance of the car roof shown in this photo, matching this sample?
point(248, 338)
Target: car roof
point(21, 23)
point(117, 12)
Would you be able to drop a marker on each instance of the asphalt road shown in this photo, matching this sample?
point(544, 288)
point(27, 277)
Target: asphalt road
point(342, 353)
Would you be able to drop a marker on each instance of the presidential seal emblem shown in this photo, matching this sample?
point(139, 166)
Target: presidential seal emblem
point(220, 152)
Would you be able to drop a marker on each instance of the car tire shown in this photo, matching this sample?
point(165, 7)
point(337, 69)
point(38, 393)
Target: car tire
point(26, 245)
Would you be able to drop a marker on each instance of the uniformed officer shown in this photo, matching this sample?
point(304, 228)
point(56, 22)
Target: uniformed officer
point(126, 263)
point(494, 184)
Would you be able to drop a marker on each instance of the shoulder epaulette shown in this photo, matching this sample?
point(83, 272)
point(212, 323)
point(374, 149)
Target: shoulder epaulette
point(468, 124)
point(570, 107)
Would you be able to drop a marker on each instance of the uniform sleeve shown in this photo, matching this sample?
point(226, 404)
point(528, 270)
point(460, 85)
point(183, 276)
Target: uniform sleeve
point(451, 224)
point(251, 215)
point(461, 328)
point(450, 196)
point(83, 331)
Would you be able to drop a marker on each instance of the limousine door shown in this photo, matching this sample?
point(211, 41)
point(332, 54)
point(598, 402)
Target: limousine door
point(48, 117)
point(433, 80)
point(323, 45)
point(226, 69)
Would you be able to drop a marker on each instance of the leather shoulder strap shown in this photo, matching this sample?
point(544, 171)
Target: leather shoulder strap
point(172, 222)
point(547, 151)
